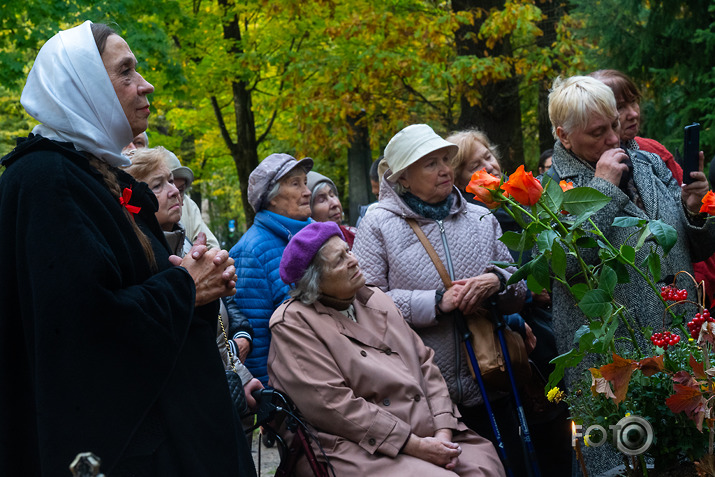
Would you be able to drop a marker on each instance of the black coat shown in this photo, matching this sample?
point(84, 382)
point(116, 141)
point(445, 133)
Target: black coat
point(97, 352)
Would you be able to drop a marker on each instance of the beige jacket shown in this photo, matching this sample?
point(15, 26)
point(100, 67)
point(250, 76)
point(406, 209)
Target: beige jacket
point(365, 386)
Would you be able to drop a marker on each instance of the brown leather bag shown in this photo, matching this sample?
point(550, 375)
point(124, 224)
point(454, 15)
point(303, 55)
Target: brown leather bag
point(483, 336)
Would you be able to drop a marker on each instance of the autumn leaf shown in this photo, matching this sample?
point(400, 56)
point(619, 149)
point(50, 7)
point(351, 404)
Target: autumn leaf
point(706, 466)
point(685, 378)
point(688, 399)
point(707, 333)
point(619, 374)
point(599, 385)
point(650, 366)
point(698, 370)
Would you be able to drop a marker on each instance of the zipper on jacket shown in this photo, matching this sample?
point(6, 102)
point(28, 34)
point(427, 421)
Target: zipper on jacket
point(455, 333)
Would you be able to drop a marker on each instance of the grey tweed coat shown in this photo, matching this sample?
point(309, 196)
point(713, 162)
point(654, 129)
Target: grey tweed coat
point(392, 258)
point(661, 196)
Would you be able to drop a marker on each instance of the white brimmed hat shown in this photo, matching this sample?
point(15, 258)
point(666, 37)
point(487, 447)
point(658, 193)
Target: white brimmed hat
point(412, 144)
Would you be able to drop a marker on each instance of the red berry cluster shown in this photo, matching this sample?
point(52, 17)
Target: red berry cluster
point(665, 339)
point(670, 293)
point(696, 323)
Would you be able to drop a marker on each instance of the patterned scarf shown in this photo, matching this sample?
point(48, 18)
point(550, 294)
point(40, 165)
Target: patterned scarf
point(436, 211)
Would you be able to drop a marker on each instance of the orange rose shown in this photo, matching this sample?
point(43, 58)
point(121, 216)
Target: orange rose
point(483, 185)
point(708, 203)
point(566, 185)
point(523, 187)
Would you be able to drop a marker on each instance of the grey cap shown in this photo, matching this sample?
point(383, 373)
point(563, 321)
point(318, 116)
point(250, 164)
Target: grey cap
point(179, 171)
point(271, 170)
point(316, 181)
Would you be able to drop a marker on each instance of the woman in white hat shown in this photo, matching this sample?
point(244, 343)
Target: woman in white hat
point(419, 184)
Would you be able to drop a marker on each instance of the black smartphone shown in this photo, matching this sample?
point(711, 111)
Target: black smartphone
point(691, 151)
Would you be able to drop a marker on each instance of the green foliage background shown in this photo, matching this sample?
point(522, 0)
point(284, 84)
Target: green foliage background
point(310, 65)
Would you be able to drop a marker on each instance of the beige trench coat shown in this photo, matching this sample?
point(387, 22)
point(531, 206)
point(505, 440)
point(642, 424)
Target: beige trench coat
point(365, 386)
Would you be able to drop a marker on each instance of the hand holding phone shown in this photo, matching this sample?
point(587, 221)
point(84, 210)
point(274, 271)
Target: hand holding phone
point(691, 151)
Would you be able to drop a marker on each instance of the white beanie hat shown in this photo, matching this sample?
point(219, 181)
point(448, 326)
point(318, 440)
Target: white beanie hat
point(412, 144)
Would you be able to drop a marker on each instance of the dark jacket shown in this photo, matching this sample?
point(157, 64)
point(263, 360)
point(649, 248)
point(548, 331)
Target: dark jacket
point(98, 352)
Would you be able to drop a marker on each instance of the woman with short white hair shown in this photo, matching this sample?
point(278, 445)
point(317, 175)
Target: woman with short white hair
point(587, 152)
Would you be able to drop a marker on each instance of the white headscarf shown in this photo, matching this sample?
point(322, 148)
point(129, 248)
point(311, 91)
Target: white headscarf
point(69, 91)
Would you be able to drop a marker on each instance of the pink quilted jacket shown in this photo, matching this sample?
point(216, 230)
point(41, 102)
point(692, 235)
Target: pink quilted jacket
point(392, 258)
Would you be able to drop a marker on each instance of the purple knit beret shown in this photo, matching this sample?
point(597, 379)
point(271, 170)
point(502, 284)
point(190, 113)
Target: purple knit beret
point(302, 248)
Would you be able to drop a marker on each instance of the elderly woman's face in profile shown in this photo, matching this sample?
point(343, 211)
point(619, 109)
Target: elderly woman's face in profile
point(430, 178)
point(341, 277)
point(481, 159)
point(129, 85)
point(327, 206)
point(161, 182)
point(629, 113)
point(599, 135)
point(293, 199)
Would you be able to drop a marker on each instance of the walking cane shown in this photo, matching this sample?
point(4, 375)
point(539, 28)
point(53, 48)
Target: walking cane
point(466, 337)
point(500, 324)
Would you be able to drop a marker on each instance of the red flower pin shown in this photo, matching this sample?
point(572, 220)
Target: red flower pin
point(124, 200)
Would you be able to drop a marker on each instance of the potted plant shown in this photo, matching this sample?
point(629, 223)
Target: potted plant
point(662, 375)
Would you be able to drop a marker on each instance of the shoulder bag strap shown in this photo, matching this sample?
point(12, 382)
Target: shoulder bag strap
point(431, 252)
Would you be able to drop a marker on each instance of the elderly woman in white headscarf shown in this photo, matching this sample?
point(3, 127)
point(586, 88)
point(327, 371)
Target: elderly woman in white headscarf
point(106, 345)
point(419, 185)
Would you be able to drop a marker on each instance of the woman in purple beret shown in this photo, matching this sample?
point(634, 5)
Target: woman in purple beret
point(363, 380)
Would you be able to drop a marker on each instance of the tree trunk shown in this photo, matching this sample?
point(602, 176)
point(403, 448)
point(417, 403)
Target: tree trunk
point(499, 112)
point(359, 162)
point(553, 11)
point(245, 150)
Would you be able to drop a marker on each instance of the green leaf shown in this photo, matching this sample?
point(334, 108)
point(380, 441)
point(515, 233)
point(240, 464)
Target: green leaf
point(628, 222)
point(553, 196)
point(540, 272)
point(653, 260)
point(583, 329)
point(607, 280)
point(584, 199)
point(558, 261)
point(586, 242)
point(595, 303)
point(620, 269)
point(533, 284)
point(645, 233)
point(502, 264)
point(521, 273)
point(664, 234)
point(628, 253)
point(546, 240)
point(517, 241)
point(582, 218)
point(579, 290)
point(567, 360)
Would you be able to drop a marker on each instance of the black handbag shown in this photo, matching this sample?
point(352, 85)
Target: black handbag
point(235, 385)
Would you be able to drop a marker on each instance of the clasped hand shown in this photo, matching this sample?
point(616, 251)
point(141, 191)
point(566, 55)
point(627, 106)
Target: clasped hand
point(212, 270)
point(469, 293)
point(439, 450)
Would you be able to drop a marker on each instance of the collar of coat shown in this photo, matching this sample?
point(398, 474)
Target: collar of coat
point(389, 200)
point(370, 332)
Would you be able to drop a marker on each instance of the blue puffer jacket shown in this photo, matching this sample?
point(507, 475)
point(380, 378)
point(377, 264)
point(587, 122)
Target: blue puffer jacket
point(259, 289)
